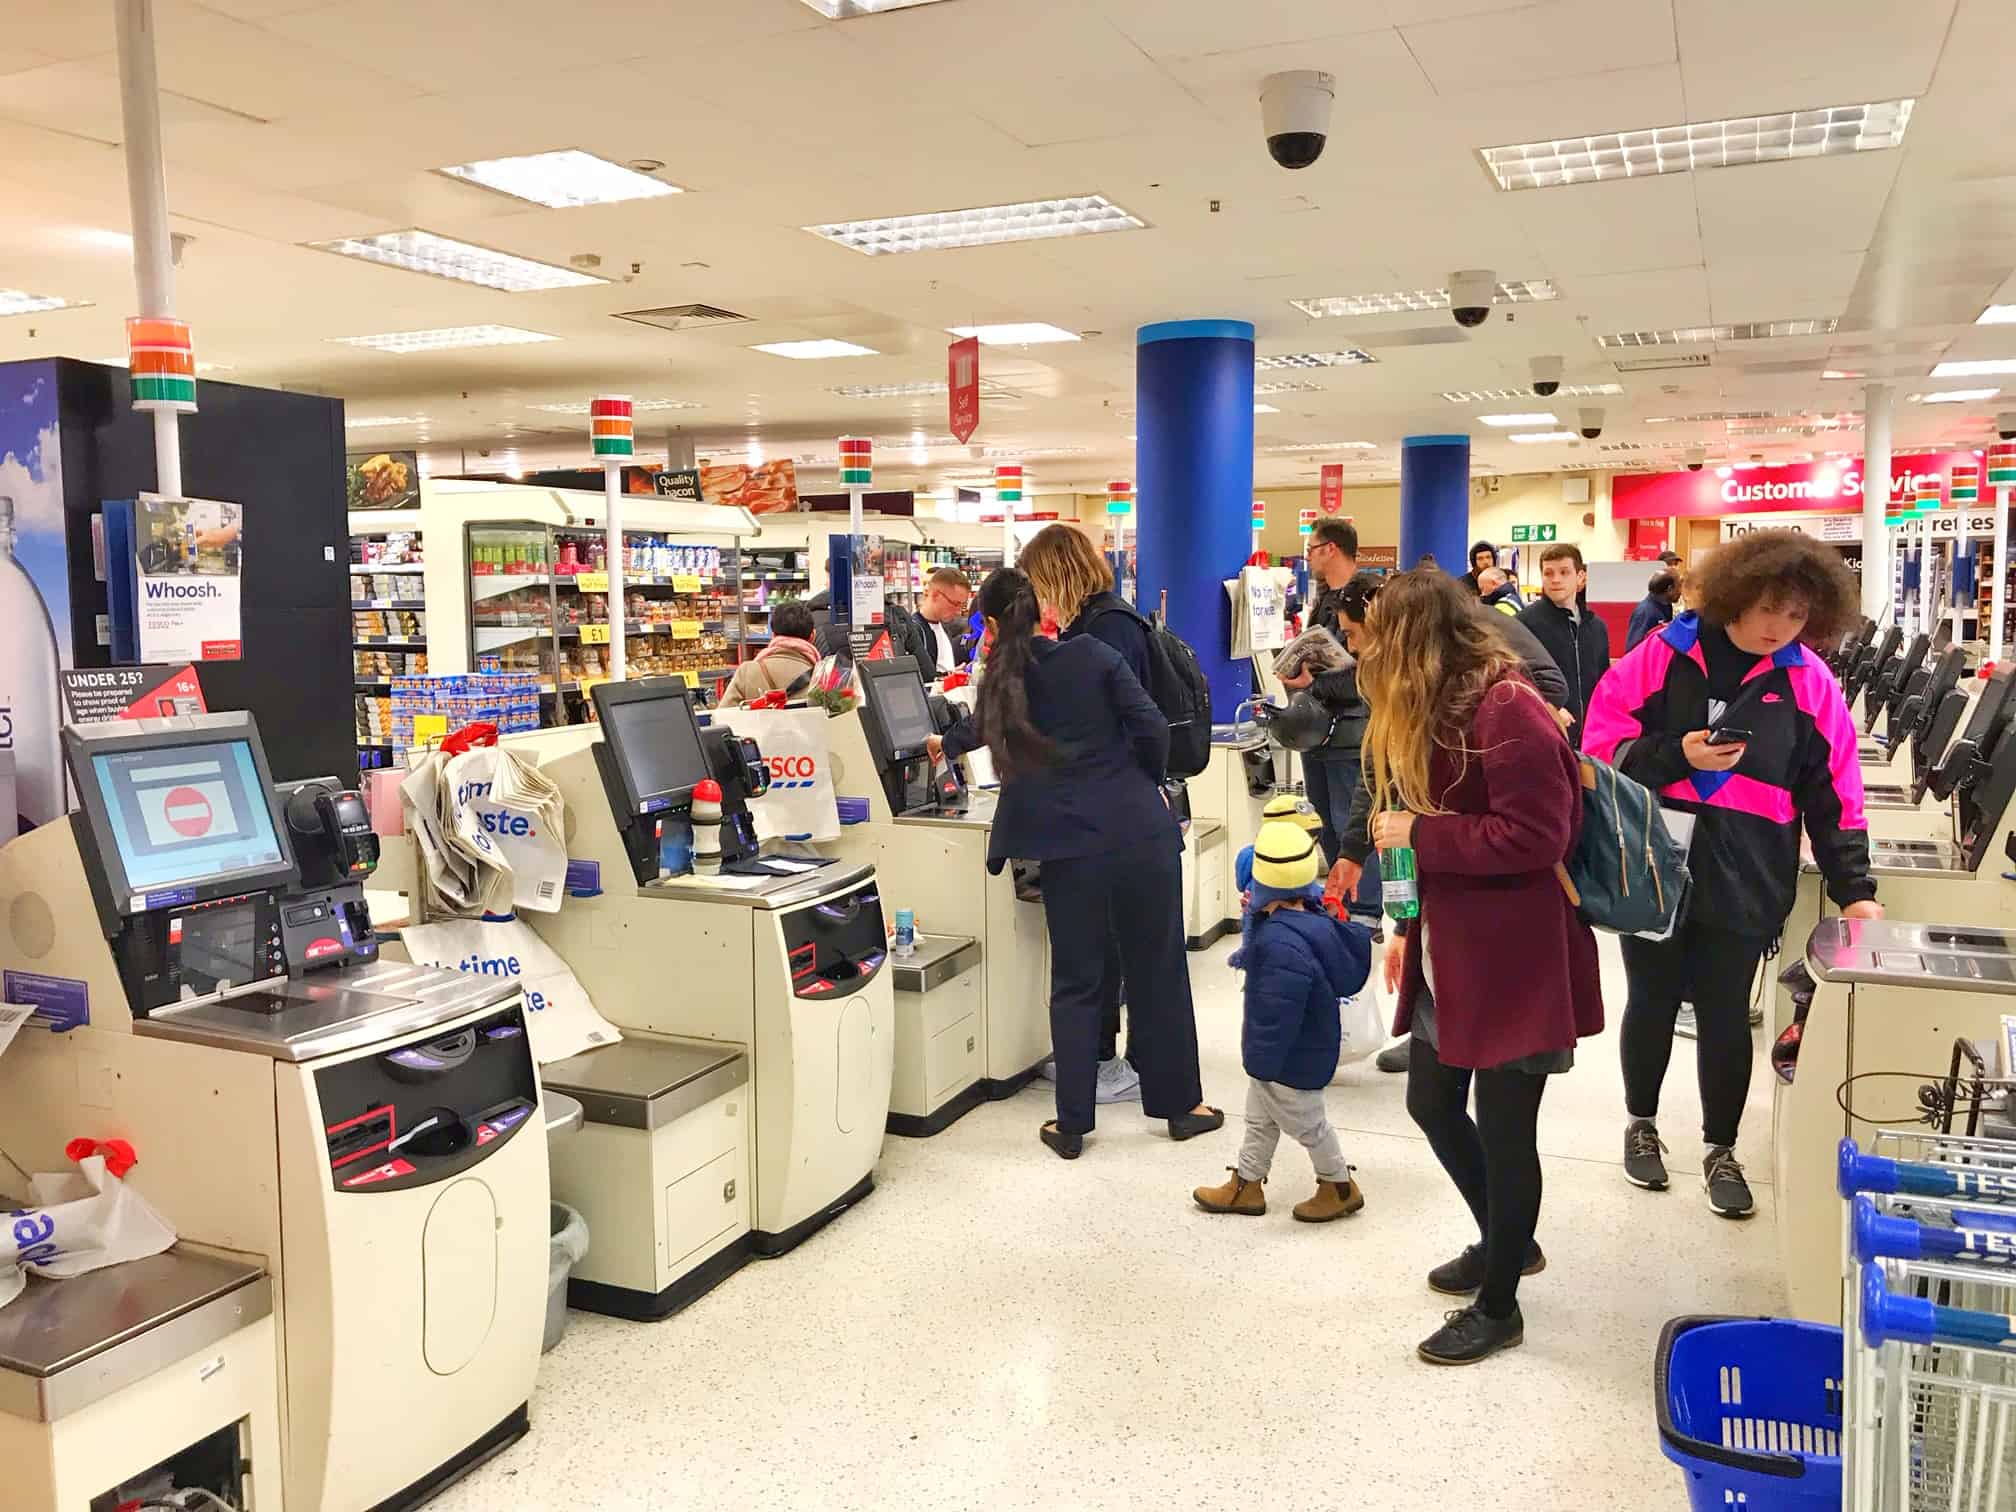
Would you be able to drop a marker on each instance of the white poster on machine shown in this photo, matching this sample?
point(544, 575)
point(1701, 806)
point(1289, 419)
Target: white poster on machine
point(188, 558)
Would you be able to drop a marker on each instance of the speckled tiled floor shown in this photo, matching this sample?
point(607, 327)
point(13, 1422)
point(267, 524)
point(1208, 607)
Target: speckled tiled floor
point(996, 1329)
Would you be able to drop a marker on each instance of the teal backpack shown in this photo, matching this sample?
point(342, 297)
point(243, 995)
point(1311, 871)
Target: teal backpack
point(1627, 873)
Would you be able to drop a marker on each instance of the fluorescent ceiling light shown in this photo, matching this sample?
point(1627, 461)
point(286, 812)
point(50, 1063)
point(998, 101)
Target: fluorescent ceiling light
point(1997, 315)
point(562, 180)
point(812, 351)
point(1527, 291)
point(1756, 330)
point(1349, 357)
point(844, 10)
point(1026, 333)
point(580, 406)
point(1323, 446)
point(1830, 131)
point(888, 390)
point(1841, 373)
point(1712, 417)
point(1011, 453)
point(1503, 395)
point(1539, 418)
point(374, 422)
point(1993, 367)
point(1527, 438)
point(444, 339)
point(1287, 386)
point(1264, 409)
point(1031, 220)
point(465, 262)
point(20, 302)
point(1956, 396)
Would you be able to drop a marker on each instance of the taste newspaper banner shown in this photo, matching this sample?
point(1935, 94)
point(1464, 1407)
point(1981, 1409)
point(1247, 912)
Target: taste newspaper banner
point(188, 557)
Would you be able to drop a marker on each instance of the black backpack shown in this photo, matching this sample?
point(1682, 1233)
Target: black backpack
point(1176, 682)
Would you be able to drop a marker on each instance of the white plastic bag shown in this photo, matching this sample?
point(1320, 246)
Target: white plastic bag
point(77, 1222)
point(1364, 1026)
point(800, 804)
point(519, 809)
point(559, 1015)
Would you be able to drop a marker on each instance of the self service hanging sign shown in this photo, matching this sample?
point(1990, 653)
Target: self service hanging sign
point(1763, 490)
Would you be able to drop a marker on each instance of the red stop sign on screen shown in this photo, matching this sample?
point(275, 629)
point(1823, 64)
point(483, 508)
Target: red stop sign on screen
point(187, 812)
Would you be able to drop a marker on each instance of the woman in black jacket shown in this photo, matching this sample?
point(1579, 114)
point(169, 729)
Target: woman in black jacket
point(1079, 746)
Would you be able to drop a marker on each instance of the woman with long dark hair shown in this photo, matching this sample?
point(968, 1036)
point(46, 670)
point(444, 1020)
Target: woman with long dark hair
point(1467, 766)
point(1079, 747)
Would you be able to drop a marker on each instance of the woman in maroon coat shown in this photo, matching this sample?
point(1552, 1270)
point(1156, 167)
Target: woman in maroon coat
point(1472, 772)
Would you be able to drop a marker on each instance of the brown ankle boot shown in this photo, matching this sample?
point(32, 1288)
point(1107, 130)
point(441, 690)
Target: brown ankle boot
point(1238, 1195)
point(1333, 1200)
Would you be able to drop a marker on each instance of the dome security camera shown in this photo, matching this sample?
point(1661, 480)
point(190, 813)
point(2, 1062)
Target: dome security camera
point(1696, 460)
point(1470, 294)
point(1295, 115)
point(1592, 423)
point(1547, 376)
point(2005, 425)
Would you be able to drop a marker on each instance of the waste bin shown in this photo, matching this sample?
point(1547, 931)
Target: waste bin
point(568, 1244)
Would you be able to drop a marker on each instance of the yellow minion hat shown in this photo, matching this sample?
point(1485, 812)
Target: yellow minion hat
point(1291, 810)
point(1284, 857)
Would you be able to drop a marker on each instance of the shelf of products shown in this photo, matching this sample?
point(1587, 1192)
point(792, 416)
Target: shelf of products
point(908, 568)
point(389, 631)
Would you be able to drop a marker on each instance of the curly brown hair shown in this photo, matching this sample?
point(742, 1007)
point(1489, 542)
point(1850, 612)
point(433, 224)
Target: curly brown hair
point(1772, 567)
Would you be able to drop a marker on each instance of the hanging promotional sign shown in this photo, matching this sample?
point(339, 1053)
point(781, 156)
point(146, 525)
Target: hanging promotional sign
point(187, 560)
point(766, 488)
point(679, 483)
point(1332, 496)
point(962, 383)
point(1757, 490)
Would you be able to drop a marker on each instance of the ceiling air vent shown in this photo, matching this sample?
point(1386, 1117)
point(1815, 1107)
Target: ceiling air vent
point(1661, 362)
point(685, 317)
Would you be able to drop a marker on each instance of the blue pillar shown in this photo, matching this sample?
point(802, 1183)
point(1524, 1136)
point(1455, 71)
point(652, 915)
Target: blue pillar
point(1194, 482)
point(1435, 501)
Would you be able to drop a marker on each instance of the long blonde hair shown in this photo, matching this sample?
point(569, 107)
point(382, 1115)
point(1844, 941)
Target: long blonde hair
point(1065, 569)
point(1429, 657)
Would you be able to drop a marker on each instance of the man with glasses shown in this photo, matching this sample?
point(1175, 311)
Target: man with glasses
point(935, 632)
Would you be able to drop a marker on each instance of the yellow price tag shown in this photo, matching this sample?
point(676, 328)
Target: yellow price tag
point(588, 683)
point(429, 727)
point(688, 676)
point(686, 629)
point(686, 582)
point(592, 582)
point(594, 635)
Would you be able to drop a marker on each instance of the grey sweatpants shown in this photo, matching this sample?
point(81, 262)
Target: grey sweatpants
point(1271, 1110)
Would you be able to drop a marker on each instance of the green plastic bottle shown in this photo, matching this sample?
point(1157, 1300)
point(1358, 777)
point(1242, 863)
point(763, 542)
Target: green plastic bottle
point(1400, 889)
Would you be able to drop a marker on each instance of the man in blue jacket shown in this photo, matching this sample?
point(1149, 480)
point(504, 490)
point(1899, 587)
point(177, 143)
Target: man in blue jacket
point(1298, 962)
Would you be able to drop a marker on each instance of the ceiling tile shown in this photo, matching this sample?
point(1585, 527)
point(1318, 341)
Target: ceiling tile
point(1559, 40)
point(1165, 30)
point(1613, 227)
point(1817, 204)
point(1742, 58)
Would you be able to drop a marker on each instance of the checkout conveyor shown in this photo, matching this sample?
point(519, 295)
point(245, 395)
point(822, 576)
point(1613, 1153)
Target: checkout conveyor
point(1889, 998)
point(354, 1124)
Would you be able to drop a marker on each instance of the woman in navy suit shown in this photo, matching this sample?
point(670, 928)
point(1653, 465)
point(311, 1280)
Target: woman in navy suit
point(1079, 747)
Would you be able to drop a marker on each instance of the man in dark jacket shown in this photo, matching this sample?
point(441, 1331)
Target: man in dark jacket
point(1654, 610)
point(1578, 641)
point(1482, 555)
point(1330, 773)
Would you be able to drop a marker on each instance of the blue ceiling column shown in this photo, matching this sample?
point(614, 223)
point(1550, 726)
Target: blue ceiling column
point(1194, 485)
point(1435, 501)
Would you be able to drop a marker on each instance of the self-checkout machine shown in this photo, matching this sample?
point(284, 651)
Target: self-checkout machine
point(974, 1004)
point(1892, 998)
point(1899, 798)
point(352, 1124)
point(744, 1108)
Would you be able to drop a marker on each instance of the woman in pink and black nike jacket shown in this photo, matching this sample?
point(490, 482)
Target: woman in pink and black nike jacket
point(1738, 661)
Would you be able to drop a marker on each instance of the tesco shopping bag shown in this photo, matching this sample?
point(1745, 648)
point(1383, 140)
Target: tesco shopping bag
point(77, 1222)
point(518, 809)
point(800, 804)
point(1364, 1026)
point(559, 1015)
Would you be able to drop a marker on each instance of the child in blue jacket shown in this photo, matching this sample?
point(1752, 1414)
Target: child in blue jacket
point(1298, 962)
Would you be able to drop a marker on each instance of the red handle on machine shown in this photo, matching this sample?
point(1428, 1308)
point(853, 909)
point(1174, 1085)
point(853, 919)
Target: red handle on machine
point(470, 736)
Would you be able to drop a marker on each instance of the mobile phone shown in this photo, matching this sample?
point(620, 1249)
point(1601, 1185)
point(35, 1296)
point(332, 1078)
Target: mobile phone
point(1728, 735)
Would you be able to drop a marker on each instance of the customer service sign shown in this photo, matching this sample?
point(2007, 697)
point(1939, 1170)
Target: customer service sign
point(1796, 486)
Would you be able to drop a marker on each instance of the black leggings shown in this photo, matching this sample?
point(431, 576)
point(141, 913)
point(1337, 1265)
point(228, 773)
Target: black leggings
point(1494, 1161)
point(1715, 971)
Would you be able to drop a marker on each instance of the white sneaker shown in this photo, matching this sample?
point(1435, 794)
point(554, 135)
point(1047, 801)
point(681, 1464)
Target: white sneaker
point(1118, 1082)
point(1684, 1024)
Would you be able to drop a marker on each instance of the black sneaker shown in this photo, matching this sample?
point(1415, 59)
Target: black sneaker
point(1465, 1274)
point(1470, 1334)
point(1394, 1057)
point(1642, 1151)
point(1722, 1176)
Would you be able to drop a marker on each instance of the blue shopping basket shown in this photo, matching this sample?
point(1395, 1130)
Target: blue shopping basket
point(1750, 1409)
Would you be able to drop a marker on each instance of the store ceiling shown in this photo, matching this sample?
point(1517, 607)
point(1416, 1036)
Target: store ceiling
point(289, 122)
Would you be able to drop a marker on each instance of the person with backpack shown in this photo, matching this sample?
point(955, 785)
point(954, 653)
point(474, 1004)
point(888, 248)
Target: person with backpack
point(1730, 715)
point(1469, 769)
point(1080, 749)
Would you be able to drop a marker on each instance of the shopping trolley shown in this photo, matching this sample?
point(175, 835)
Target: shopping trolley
point(1929, 1264)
